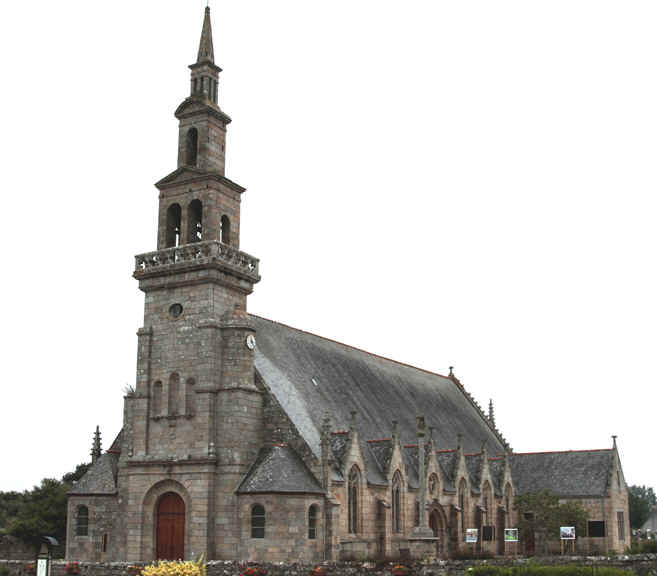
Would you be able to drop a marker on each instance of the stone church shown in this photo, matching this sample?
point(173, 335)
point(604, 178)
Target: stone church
point(247, 439)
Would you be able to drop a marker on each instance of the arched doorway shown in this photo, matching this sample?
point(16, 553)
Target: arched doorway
point(438, 526)
point(170, 527)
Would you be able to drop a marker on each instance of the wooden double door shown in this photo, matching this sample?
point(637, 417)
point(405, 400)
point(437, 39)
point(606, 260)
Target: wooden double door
point(170, 527)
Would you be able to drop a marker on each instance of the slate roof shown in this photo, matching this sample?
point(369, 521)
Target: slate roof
point(578, 473)
point(116, 445)
point(311, 376)
point(381, 451)
point(279, 469)
point(100, 478)
point(473, 464)
point(410, 453)
point(447, 460)
point(496, 466)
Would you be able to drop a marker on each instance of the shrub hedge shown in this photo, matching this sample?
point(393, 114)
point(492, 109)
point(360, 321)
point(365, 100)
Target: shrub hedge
point(537, 570)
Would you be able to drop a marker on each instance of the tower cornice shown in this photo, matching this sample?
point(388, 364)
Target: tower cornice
point(190, 175)
point(212, 65)
point(203, 106)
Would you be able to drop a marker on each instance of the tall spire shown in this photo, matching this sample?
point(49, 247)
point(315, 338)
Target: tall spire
point(206, 49)
point(96, 449)
point(205, 73)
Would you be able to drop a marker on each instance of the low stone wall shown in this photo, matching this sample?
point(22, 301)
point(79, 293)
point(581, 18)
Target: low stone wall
point(11, 547)
point(643, 565)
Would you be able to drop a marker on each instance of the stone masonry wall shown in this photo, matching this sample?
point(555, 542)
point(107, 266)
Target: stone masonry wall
point(286, 528)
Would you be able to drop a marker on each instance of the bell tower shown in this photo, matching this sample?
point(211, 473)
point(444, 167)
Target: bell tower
point(193, 425)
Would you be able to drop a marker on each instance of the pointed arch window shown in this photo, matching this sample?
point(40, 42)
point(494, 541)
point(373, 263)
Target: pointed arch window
point(195, 221)
point(312, 522)
point(82, 521)
point(191, 147)
point(174, 217)
point(258, 521)
point(353, 494)
point(396, 502)
point(224, 235)
point(486, 503)
point(462, 489)
point(174, 381)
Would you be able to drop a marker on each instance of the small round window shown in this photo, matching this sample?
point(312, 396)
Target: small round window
point(175, 310)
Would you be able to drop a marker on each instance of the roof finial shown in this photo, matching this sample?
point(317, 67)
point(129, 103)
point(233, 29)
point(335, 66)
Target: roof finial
point(394, 430)
point(614, 439)
point(491, 413)
point(96, 450)
point(451, 371)
point(206, 49)
point(352, 427)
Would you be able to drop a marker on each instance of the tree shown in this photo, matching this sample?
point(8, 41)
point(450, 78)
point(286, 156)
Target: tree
point(642, 502)
point(40, 511)
point(72, 477)
point(10, 503)
point(541, 513)
point(43, 513)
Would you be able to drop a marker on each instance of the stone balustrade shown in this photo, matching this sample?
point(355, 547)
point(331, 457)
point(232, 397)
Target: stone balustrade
point(198, 253)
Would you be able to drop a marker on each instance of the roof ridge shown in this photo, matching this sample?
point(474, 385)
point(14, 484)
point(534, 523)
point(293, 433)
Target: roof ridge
point(561, 451)
point(353, 347)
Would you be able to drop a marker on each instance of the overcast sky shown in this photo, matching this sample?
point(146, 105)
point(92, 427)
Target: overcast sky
point(467, 183)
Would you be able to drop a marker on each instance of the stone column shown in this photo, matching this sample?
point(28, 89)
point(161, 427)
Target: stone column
point(422, 542)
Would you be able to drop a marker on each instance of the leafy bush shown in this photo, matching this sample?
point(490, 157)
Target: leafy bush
point(642, 547)
point(649, 547)
point(4, 571)
point(538, 570)
point(468, 554)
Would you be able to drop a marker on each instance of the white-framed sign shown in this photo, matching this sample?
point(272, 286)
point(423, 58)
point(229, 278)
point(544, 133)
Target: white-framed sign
point(510, 534)
point(567, 532)
point(471, 535)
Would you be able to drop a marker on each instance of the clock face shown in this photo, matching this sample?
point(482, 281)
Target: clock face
point(250, 342)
